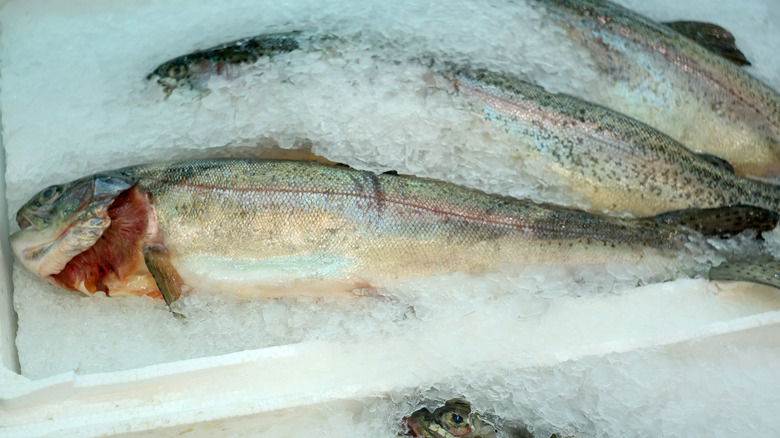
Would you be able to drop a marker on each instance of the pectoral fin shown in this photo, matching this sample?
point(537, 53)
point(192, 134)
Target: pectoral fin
point(712, 37)
point(168, 280)
point(722, 221)
point(717, 161)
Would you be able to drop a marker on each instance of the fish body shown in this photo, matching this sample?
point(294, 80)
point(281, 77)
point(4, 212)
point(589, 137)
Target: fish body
point(195, 69)
point(662, 78)
point(616, 163)
point(454, 419)
point(273, 228)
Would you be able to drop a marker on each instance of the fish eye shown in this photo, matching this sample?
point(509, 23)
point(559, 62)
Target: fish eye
point(49, 194)
point(457, 419)
point(178, 71)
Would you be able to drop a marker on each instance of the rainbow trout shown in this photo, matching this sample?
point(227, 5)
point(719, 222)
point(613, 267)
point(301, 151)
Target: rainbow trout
point(273, 228)
point(616, 163)
point(453, 419)
point(663, 78)
point(195, 69)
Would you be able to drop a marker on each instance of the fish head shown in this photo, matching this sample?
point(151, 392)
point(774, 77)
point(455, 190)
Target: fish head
point(172, 74)
point(61, 221)
point(453, 420)
point(422, 424)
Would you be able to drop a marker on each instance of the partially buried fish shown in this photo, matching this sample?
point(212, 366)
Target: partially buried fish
point(195, 69)
point(681, 78)
point(451, 420)
point(455, 419)
point(657, 74)
point(273, 228)
point(616, 163)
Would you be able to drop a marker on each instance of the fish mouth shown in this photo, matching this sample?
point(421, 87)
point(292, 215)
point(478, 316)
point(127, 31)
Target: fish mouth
point(421, 424)
point(170, 84)
point(23, 221)
point(24, 216)
point(38, 247)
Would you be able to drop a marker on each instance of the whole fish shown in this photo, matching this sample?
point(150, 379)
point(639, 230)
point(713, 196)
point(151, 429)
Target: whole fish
point(272, 228)
point(452, 420)
point(195, 69)
point(616, 163)
point(663, 78)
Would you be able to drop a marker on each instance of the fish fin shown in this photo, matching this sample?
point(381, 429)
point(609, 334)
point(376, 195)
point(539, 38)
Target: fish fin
point(716, 161)
point(168, 280)
point(761, 272)
point(712, 37)
point(303, 153)
point(721, 221)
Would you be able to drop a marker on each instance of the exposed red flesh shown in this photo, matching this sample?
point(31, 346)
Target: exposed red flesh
point(116, 251)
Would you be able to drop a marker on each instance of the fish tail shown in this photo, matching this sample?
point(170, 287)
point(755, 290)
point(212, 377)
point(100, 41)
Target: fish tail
point(761, 272)
point(722, 221)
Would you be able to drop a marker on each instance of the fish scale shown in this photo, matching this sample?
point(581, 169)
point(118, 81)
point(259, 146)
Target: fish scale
point(667, 80)
point(273, 228)
point(619, 164)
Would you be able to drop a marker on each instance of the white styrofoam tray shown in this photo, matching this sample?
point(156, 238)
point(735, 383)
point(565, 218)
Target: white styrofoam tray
point(690, 321)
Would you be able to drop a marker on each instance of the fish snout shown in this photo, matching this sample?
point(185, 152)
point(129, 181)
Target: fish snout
point(22, 220)
point(419, 422)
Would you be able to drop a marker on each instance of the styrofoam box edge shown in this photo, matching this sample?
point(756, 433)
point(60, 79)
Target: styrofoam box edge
point(250, 382)
point(7, 315)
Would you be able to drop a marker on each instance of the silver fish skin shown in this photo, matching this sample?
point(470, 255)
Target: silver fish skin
point(664, 79)
point(617, 163)
point(274, 228)
point(194, 69)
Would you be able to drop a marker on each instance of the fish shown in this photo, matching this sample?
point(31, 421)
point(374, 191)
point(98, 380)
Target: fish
point(452, 420)
point(455, 419)
point(616, 163)
point(194, 70)
point(271, 228)
point(655, 74)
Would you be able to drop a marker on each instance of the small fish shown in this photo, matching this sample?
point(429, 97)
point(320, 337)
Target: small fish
point(615, 162)
point(455, 419)
point(669, 80)
point(195, 69)
point(274, 228)
point(452, 420)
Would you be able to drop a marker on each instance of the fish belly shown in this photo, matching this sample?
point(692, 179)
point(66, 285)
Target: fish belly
point(265, 227)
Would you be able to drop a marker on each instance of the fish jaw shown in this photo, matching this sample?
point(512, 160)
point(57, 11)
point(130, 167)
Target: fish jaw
point(45, 254)
point(61, 222)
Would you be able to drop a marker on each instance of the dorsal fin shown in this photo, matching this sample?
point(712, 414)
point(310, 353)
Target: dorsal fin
point(712, 37)
point(716, 161)
point(722, 221)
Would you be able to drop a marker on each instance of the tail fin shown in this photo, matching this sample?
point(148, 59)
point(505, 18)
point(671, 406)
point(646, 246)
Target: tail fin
point(722, 221)
point(761, 272)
